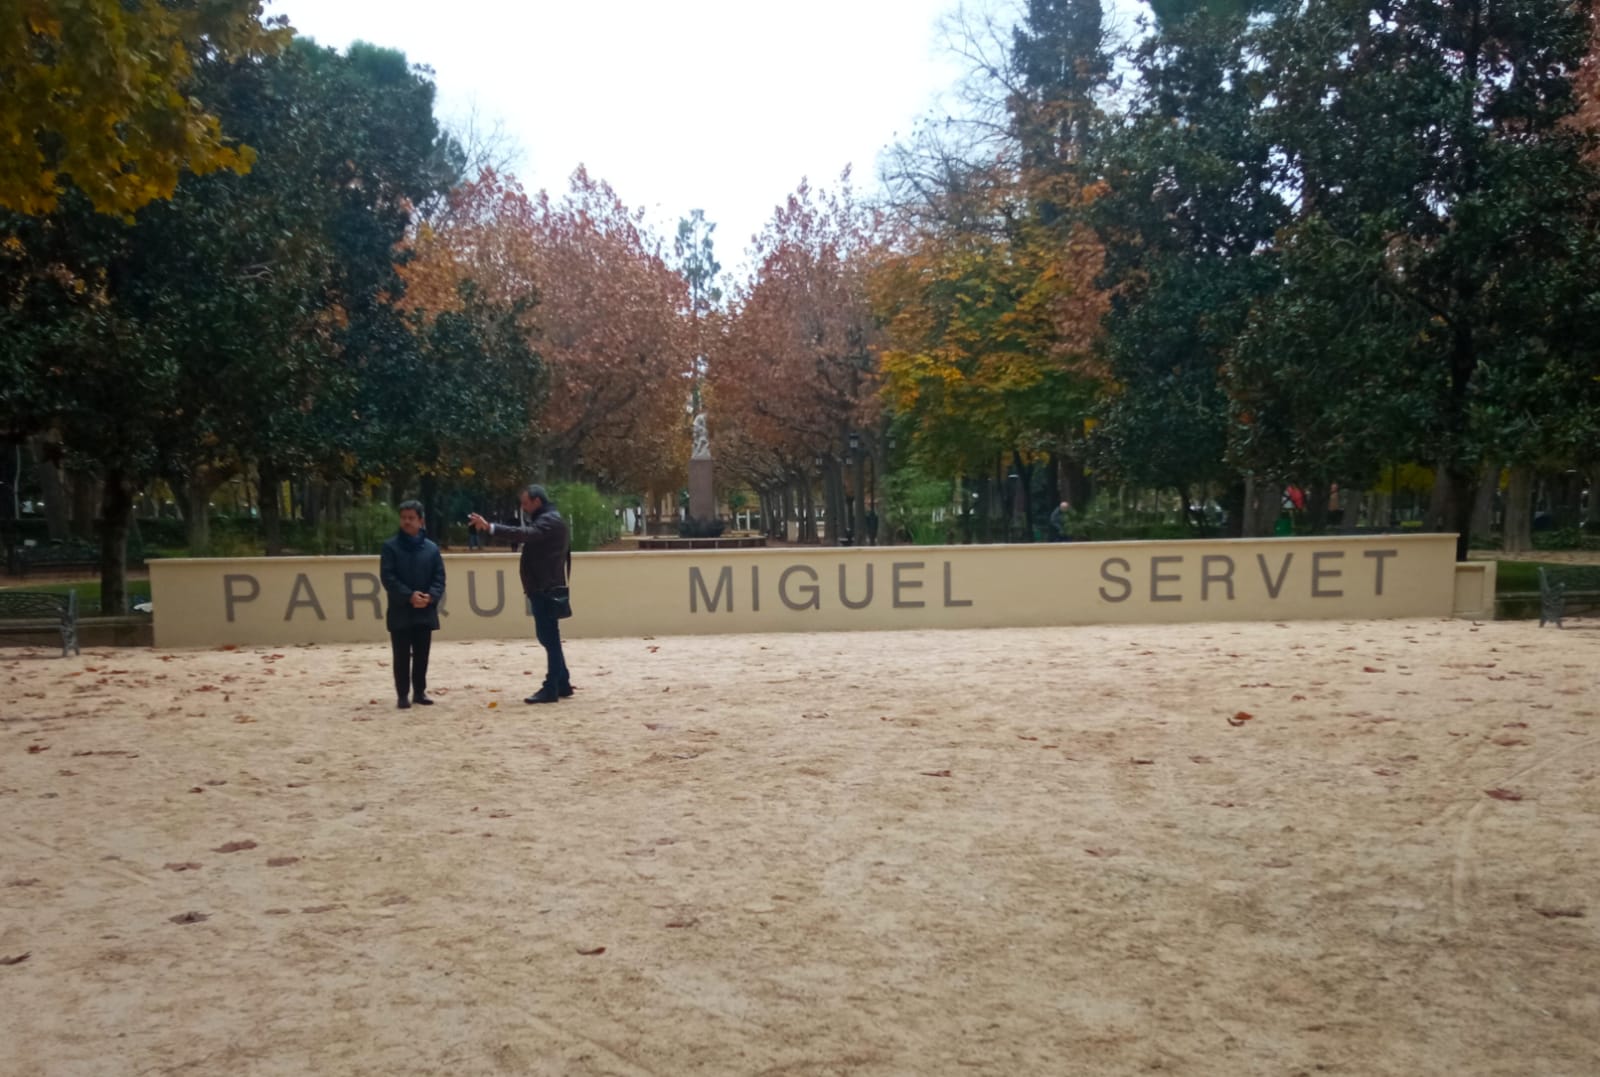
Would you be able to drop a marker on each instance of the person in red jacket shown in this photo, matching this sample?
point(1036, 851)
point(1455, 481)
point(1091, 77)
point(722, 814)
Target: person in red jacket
point(546, 562)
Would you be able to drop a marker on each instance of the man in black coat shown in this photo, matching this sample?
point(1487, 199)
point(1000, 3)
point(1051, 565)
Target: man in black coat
point(412, 571)
point(546, 560)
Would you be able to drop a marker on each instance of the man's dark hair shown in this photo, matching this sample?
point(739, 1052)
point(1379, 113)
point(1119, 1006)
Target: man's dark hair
point(411, 503)
point(535, 490)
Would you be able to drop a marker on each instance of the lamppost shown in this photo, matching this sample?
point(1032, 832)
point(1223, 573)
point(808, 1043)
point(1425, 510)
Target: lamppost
point(1013, 488)
point(811, 522)
point(858, 503)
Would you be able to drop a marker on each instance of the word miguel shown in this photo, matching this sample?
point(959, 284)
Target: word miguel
point(800, 587)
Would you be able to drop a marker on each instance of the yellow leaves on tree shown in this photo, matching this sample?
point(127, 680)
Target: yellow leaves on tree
point(94, 92)
point(990, 333)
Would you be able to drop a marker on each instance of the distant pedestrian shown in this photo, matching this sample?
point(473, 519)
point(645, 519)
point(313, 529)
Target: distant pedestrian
point(1060, 524)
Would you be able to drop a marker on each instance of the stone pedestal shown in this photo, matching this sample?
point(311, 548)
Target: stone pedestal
point(702, 492)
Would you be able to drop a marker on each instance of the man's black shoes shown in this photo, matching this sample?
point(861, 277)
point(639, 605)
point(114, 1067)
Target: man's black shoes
point(543, 695)
point(423, 701)
point(405, 704)
point(566, 691)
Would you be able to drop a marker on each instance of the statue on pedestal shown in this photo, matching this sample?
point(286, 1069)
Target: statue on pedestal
point(702, 440)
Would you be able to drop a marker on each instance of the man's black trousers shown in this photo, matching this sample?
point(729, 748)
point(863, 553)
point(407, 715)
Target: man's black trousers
point(411, 660)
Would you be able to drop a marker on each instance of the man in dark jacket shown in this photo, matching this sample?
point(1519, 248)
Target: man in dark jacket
point(546, 557)
point(412, 572)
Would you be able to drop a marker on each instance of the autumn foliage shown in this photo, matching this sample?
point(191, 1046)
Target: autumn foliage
point(603, 309)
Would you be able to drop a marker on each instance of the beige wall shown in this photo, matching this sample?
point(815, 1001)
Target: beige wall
point(206, 602)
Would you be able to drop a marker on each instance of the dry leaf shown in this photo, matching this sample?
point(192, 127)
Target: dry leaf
point(597, 950)
point(319, 908)
point(234, 847)
point(35, 749)
point(189, 917)
point(19, 959)
point(1240, 718)
point(1142, 762)
point(1503, 794)
point(1574, 914)
point(282, 861)
point(186, 865)
point(935, 773)
point(1370, 669)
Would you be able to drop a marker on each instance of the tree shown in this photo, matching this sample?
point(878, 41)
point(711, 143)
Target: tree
point(796, 370)
point(232, 322)
point(1188, 223)
point(609, 319)
point(1448, 228)
point(97, 95)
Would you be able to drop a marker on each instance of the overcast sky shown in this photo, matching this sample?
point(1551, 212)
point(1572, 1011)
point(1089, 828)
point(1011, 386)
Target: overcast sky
point(721, 105)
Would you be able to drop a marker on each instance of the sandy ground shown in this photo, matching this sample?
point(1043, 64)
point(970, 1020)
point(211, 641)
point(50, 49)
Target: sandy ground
point(1007, 852)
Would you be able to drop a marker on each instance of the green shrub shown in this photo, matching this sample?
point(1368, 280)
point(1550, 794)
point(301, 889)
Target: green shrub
point(591, 515)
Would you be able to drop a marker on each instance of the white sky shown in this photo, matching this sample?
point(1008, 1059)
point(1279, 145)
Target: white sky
point(721, 105)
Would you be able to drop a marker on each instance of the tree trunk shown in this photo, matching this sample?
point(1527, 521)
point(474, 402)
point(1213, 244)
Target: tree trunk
point(1317, 500)
point(438, 529)
point(1439, 513)
point(1024, 505)
point(1569, 499)
point(86, 496)
point(1234, 502)
point(116, 510)
point(10, 495)
point(1591, 513)
point(1078, 488)
point(271, 521)
point(1517, 531)
point(1483, 502)
point(57, 500)
point(197, 491)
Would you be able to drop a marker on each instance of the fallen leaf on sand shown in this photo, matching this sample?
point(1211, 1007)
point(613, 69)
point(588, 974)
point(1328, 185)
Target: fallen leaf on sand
point(1503, 794)
point(282, 861)
point(235, 847)
point(186, 865)
point(1552, 914)
point(592, 953)
point(189, 917)
point(1240, 718)
point(19, 959)
point(935, 773)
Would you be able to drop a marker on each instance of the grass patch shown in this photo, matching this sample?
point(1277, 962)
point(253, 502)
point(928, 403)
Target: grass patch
point(88, 592)
point(1524, 576)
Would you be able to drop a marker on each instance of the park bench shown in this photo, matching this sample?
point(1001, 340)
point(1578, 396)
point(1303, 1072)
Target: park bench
point(34, 612)
point(55, 555)
point(1556, 602)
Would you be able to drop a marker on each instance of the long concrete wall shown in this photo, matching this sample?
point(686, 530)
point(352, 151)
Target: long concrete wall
point(208, 602)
